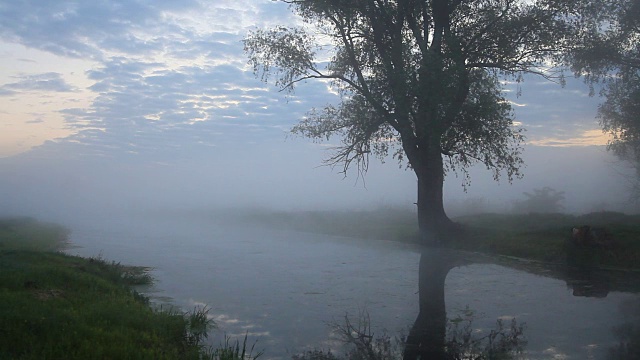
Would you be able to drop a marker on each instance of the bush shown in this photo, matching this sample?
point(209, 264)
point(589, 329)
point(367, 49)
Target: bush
point(545, 200)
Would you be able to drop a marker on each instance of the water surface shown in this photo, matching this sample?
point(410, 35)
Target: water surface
point(284, 287)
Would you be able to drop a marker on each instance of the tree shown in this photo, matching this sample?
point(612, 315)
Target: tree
point(420, 80)
point(607, 53)
point(545, 200)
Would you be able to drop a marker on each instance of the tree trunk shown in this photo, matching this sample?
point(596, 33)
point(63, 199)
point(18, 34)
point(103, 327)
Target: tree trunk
point(433, 222)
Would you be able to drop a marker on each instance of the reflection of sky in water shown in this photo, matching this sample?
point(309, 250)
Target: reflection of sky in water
point(557, 324)
point(285, 287)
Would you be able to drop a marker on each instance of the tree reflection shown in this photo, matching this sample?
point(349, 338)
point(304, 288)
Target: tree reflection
point(432, 335)
point(429, 337)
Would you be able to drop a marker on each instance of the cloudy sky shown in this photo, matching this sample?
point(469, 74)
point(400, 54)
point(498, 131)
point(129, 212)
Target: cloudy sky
point(159, 81)
point(134, 75)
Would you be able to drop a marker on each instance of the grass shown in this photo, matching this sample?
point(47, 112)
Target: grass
point(383, 224)
point(23, 233)
point(56, 306)
point(532, 236)
point(543, 236)
point(231, 350)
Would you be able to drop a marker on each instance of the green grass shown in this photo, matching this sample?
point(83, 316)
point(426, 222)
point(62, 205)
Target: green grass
point(543, 236)
point(23, 233)
point(56, 306)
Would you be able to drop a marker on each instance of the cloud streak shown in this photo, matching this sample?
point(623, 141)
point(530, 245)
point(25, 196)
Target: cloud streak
point(48, 82)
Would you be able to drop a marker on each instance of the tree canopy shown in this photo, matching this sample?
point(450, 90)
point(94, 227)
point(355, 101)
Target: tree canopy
point(607, 54)
point(420, 80)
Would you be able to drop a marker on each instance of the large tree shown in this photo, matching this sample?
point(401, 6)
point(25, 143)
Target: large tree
point(420, 80)
point(607, 53)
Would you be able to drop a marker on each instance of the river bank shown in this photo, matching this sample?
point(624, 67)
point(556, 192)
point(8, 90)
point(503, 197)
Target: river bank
point(59, 306)
point(539, 237)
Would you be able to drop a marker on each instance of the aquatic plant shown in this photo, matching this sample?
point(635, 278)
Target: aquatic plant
point(462, 343)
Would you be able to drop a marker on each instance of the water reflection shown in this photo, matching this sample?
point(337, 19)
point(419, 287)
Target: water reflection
point(628, 333)
point(588, 282)
point(582, 262)
point(427, 336)
point(283, 287)
point(433, 336)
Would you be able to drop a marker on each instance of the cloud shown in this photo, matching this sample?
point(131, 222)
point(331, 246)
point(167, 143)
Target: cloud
point(160, 65)
point(155, 106)
point(85, 28)
point(585, 138)
point(548, 110)
point(173, 70)
point(39, 82)
point(104, 28)
point(6, 92)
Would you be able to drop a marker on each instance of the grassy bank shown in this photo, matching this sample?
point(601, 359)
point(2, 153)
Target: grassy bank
point(56, 306)
point(382, 224)
point(543, 237)
point(532, 236)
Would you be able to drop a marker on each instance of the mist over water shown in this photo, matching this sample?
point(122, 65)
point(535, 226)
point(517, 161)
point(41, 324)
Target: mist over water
point(285, 288)
point(287, 176)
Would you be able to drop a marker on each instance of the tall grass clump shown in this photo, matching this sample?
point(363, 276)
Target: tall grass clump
point(121, 274)
point(198, 326)
point(233, 350)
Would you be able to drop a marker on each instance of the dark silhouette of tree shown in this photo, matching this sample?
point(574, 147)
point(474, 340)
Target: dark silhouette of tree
point(420, 80)
point(607, 53)
point(545, 200)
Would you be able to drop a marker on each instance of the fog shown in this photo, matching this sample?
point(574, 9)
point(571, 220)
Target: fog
point(287, 175)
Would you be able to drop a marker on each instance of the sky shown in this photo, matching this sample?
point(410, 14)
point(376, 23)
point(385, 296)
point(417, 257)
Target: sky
point(158, 96)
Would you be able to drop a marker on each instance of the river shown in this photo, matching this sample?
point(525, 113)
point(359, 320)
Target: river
point(284, 288)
